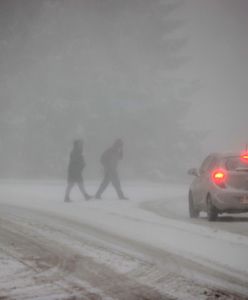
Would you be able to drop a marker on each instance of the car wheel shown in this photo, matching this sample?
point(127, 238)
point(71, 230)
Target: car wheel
point(212, 211)
point(193, 211)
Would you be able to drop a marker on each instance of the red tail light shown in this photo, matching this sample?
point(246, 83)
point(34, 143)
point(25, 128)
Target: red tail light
point(244, 157)
point(219, 177)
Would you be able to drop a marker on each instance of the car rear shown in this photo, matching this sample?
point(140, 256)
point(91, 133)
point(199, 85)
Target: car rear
point(230, 184)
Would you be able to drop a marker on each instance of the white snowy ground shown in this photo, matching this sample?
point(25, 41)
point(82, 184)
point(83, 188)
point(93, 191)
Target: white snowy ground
point(142, 248)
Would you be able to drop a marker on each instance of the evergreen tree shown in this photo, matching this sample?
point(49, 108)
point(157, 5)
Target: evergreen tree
point(96, 69)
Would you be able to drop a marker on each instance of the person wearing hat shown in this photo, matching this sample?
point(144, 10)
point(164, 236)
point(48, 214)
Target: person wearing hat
point(110, 159)
point(75, 169)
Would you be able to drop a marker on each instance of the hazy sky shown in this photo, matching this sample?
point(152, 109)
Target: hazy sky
point(218, 45)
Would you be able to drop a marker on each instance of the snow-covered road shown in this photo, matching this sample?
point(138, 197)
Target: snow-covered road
point(143, 248)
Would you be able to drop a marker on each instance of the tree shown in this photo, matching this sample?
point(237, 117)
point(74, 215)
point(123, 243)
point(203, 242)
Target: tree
point(100, 69)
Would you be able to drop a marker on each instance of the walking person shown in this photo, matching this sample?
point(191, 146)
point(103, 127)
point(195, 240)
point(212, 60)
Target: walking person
point(75, 169)
point(110, 159)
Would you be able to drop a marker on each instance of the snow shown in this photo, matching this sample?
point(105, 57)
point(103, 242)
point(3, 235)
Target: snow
point(216, 249)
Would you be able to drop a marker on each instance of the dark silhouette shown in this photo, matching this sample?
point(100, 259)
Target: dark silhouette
point(110, 159)
point(75, 168)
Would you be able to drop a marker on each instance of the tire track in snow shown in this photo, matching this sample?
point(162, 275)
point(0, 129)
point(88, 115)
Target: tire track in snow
point(52, 271)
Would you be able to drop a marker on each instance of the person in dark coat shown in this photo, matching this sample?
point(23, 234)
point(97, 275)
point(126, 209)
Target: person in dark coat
point(75, 168)
point(110, 159)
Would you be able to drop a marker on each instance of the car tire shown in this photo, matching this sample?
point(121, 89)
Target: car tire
point(212, 211)
point(193, 211)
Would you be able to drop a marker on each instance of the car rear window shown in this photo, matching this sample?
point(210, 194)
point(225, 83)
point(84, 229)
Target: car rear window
point(236, 163)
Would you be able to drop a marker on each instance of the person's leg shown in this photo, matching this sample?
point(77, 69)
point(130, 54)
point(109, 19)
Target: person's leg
point(104, 184)
point(82, 190)
point(117, 185)
point(68, 191)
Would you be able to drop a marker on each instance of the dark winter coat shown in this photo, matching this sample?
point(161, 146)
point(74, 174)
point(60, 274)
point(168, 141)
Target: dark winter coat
point(76, 166)
point(110, 158)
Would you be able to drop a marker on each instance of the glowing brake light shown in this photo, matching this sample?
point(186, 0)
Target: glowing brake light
point(244, 157)
point(219, 177)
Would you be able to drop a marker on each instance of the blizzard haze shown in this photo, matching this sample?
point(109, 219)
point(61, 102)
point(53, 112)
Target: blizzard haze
point(218, 46)
point(159, 84)
point(169, 77)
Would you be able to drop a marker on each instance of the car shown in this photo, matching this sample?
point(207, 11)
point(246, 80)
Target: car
point(220, 185)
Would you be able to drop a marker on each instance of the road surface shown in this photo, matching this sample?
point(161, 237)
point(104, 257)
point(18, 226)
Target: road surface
point(143, 248)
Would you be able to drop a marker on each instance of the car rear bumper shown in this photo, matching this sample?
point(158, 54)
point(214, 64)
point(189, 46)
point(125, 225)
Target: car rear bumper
point(231, 201)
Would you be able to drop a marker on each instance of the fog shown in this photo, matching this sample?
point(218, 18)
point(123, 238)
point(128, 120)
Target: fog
point(168, 77)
